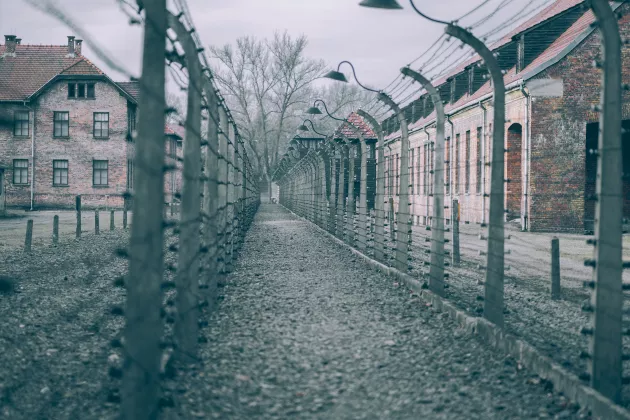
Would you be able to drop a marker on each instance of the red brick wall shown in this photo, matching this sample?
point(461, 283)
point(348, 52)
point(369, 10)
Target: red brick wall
point(79, 149)
point(12, 147)
point(558, 136)
point(513, 188)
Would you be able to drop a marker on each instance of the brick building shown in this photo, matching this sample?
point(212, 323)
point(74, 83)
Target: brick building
point(551, 87)
point(65, 129)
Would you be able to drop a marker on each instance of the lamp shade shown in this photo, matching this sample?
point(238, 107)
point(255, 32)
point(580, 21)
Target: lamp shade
point(381, 4)
point(313, 111)
point(303, 128)
point(336, 75)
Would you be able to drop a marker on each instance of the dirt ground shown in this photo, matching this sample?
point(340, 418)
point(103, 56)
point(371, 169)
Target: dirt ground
point(13, 229)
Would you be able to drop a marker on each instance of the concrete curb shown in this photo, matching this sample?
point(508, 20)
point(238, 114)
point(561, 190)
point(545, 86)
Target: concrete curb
point(565, 382)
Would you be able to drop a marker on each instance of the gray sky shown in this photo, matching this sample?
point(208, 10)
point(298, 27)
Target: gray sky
point(378, 42)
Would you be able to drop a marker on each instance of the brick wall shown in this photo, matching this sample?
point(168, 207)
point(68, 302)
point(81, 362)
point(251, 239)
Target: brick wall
point(79, 148)
point(558, 136)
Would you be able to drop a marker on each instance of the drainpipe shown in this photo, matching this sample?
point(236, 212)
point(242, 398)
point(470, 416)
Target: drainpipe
point(32, 154)
point(483, 164)
point(526, 161)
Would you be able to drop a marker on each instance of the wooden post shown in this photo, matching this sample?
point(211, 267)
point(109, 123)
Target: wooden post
point(555, 268)
point(55, 235)
point(78, 209)
point(96, 223)
point(28, 241)
point(455, 228)
point(111, 220)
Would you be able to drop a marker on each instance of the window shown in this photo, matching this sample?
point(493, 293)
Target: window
point(20, 123)
point(101, 125)
point(457, 162)
point(81, 90)
point(61, 124)
point(20, 171)
point(131, 122)
point(419, 172)
point(412, 173)
point(447, 165)
point(130, 174)
point(60, 172)
point(467, 185)
point(479, 161)
point(396, 172)
point(99, 176)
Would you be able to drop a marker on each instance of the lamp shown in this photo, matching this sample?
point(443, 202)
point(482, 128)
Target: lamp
point(381, 4)
point(316, 111)
point(340, 77)
point(303, 127)
point(336, 75)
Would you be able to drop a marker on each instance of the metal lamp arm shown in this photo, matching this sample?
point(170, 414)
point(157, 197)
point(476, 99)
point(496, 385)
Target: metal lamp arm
point(355, 77)
point(326, 109)
point(425, 16)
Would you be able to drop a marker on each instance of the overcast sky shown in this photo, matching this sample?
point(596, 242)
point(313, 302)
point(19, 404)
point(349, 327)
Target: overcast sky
point(378, 42)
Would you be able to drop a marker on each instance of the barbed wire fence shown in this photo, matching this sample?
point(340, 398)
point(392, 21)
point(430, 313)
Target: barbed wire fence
point(431, 185)
point(178, 260)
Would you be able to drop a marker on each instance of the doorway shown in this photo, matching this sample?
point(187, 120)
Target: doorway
point(514, 188)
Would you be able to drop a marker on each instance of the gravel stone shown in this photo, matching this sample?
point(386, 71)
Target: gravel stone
point(307, 332)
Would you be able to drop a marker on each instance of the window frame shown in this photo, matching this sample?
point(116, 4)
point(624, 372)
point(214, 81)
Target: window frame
point(21, 125)
point(100, 171)
point(61, 121)
point(20, 169)
point(467, 168)
point(61, 170)
point(94, 121)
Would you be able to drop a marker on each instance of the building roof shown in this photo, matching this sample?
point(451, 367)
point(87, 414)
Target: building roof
point(174, 130)
point(35, 65)
point(558, 49)
point(132, 88)
point(348, 131)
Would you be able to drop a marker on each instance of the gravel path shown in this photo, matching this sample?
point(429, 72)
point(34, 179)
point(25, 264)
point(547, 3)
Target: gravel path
point(304, 330)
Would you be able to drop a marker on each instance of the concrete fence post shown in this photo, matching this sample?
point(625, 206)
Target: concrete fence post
point(351, 205)
point(96, 223)
point(28, 241)
point(494, 283)
point(436, 274)
point(144, 327)
point(403, 239)
point(392, 221)
point(379, 198)
point(555, 268)
point(607, 299)
point(55, 234)
point(186, 302)
point(455, 231)
point(332, 199)
point(363, 206)
point(111, 220)
point(341, 199)
point(78, 210)
point(124, 218)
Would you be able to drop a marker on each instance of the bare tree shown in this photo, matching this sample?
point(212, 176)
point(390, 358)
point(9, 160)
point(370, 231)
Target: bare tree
point(267, 85)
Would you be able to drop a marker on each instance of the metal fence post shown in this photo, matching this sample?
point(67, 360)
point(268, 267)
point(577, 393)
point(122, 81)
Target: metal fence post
point(493, 301)
point(143, 329)
point(607, 298)
point(186, 325)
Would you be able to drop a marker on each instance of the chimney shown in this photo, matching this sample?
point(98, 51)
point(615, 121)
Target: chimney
point(10, 43)
point(77, 46)
point(70, 46)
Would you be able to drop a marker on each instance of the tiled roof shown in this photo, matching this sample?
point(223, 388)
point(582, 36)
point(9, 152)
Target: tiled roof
point(35, 65)
point(177, 131)
point(358, 122)
point(132, 88)
point(560, 45)
point(547, 13)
